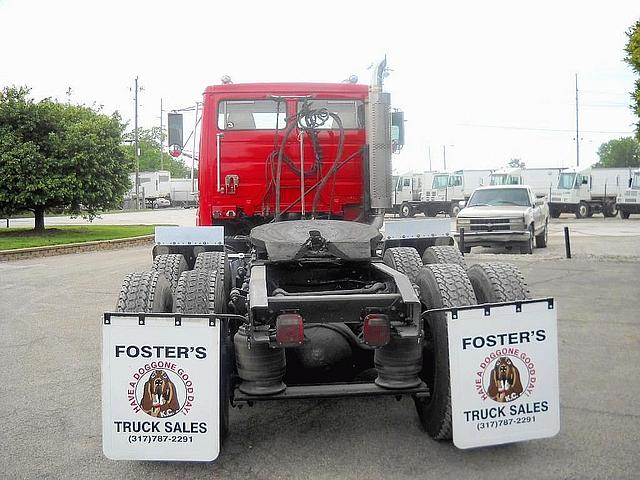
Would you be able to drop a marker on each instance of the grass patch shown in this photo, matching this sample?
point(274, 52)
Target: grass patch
point(12, 238)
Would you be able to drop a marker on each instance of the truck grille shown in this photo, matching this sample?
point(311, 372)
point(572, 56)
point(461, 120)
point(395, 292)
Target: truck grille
point(490, 224)
point(630, 200)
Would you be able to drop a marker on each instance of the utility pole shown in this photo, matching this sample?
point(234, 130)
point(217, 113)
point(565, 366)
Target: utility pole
point(577, 129)
point(135, 141)
point(429, 149)
point(193, 157)
point(161, 141)
point(444, 157)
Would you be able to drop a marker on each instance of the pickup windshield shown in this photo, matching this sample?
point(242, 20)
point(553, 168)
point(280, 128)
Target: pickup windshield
point(500, 196)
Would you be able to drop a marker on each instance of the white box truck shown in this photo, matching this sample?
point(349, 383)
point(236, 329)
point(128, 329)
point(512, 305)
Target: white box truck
point(585, 191)
point(541, 180)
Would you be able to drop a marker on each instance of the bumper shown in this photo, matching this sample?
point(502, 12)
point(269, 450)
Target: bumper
point(486, 239)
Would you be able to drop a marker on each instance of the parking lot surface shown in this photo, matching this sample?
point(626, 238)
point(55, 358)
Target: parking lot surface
point(51, 401)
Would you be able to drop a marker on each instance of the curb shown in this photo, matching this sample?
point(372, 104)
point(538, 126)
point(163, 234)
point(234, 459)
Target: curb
point(32, 252)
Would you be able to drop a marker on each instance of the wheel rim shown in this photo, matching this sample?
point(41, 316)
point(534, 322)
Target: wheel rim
point(583, 210)
point(455, 211)
point(405, 210)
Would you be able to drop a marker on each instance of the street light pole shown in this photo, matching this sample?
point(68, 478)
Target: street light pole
point(444, 157)
point(135, 141)
point(161, 141)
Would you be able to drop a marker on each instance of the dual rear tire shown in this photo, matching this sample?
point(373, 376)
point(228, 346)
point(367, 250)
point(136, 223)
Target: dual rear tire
point(445, 283)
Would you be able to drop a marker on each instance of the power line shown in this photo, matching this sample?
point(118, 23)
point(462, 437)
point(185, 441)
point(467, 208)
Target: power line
point(540, 129)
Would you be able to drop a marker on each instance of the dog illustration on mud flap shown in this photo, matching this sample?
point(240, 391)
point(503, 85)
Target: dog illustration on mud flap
point(159, 399)
point(505, 384)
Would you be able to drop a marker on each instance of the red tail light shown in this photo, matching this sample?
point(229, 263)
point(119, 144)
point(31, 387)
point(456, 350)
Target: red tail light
point(289, 329)
point(376, 331)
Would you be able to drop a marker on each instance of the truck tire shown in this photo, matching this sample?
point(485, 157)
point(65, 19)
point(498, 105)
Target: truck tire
point(405, 210)
point(145, 292)
point(201, 291)
point(404, 260)
point(171, 266)
point(445, 254)
point(541, 240)
point(583, 210)
point(441, 286)
point(527, 247)
point(624, 214)
point(610, 210)
point(214, 261)
point(554, 213)
point(497, 282)
point(455, 209)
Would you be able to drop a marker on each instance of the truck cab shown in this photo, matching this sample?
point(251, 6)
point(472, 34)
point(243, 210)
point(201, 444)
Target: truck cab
point(506, 176)
point(629, 201)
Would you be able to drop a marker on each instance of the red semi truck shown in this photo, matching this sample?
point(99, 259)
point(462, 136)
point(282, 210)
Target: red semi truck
point(308, 298)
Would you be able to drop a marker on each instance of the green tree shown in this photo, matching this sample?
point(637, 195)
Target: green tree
point(516, 163)
point(633, 59)
point(623, 152)
point(149, 144)
point(55, 155)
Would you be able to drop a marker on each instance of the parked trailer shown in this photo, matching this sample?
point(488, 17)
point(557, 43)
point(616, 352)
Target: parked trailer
point(184, 192)
point(152, 185)
point(585, 191)
point(288, 290)
point(629, 201)
point(541, 180)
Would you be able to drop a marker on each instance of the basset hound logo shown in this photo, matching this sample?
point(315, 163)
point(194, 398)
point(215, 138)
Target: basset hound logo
point(160, 397)
point(504, 383)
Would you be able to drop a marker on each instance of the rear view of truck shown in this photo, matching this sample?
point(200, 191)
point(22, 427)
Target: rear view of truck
point(289, 287)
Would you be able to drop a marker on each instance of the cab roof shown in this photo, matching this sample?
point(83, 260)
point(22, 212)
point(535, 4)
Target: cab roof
point(291, 89)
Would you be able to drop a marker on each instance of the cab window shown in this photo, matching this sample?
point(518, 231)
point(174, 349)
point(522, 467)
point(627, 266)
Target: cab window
point(251, 115)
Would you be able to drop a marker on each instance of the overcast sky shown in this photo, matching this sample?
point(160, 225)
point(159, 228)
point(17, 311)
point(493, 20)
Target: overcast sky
point(490, 80)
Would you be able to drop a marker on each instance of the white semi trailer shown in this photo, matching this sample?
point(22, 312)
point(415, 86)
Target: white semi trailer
point(541, 180)
point(629, 200)
point(184, 192)
point(585, 191)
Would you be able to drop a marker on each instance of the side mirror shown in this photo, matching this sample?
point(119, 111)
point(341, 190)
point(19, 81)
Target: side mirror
point(539, 201)
point(585, 180)
point(397, 131)
point(462, 203)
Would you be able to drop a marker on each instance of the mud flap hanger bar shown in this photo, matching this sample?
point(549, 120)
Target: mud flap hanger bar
point(213, 318)
point(488, 306)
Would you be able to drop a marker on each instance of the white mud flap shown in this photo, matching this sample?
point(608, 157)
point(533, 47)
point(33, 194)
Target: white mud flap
point(504, 373)
point(160, 387)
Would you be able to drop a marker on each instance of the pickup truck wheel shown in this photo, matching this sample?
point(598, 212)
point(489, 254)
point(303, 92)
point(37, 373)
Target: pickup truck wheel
point(202, 291)
point(441, 286)
point(528, 245)
point(171, 266)
point(145, 292)
point(404, 260)
point(624, 214)
point(541, 240)
point(443, 254)
point(405, 210)
point(497, 282)
point(583, 210)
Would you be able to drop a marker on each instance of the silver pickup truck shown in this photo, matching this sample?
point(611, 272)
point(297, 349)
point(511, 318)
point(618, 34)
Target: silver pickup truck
point(508, 215)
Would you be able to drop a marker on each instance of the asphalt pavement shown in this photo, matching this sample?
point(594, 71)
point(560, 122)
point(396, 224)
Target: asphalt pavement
point(51, 402)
